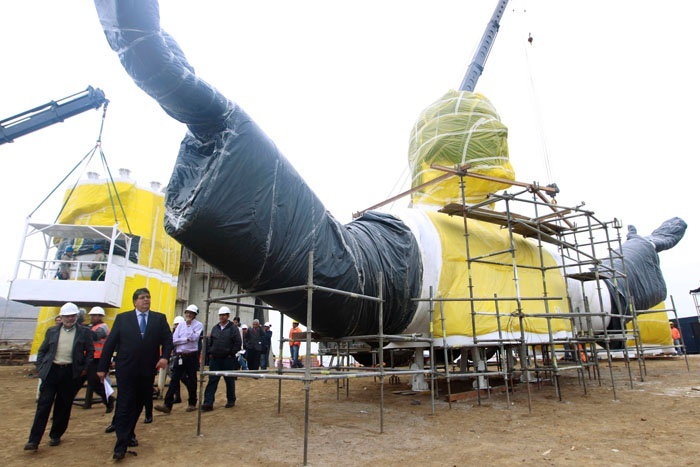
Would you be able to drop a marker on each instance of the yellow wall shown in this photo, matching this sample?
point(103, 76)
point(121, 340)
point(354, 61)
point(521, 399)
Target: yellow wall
point(159, 254)
point(490, 279)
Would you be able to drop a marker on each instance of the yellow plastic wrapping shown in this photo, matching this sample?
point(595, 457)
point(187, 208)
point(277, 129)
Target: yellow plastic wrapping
point(159, 254)
point(489, 280)
point(653, 328)
point(458, 128)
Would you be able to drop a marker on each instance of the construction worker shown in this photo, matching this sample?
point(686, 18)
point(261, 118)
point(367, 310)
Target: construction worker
point(294, 345)
point(224, 343)
point(676, 335)
point(66, 265)
point(267, 345)
point(98, 267)
point(100, 331)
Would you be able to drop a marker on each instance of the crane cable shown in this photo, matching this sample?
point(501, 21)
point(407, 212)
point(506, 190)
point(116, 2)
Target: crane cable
point(111, 186)
point(529, 43)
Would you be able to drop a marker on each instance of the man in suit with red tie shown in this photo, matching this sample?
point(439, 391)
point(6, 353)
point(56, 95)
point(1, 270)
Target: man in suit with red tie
point(143, 343)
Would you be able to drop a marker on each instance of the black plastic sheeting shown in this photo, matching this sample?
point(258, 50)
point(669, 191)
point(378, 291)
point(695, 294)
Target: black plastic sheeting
point(236, 202)
point(640, 268)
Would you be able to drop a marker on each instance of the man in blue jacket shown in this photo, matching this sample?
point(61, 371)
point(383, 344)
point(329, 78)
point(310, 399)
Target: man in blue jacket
point(62, 360)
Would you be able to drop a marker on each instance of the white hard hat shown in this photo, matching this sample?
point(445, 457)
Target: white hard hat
point(224, 310)
point(268, 324)
point(193, 308)
point(178, 320)
point(69, 309)
point(245, 326)
point(97, 310)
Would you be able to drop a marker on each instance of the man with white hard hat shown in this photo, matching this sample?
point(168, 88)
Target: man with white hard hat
point(223, 344)
point(242, 360)
point(63, 358)
point(267, 345)
point(186, 338)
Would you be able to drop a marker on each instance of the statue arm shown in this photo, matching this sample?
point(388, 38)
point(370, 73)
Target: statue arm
point(158, 66)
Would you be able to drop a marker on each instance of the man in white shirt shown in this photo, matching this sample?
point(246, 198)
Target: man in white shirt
point(187, 339)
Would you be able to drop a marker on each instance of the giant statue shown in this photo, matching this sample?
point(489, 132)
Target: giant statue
point(238, 203)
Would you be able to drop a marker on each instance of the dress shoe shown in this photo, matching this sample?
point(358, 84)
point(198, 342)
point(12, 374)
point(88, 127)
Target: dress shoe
point(55, 441)
point(119, 456)
point(230, 404)
point(31, 446)
point(191, 408)
point(132, 443)
point(163, 408)
point(110, 429)
point(207, 408)
point(148, 420)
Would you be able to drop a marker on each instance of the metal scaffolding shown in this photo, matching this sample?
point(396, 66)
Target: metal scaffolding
point(309, 374)
point(587, 249)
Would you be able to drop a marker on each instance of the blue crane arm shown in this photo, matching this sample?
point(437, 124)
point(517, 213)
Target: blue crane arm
point(50, 113)
point(482, 52)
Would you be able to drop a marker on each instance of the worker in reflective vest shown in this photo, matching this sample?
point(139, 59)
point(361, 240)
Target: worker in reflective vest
point(100, 331)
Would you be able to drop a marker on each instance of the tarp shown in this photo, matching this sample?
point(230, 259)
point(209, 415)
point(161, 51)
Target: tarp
point(461, 127)
point(639, 280)
point(236, 202)
point(495, 280)
point(653, 328)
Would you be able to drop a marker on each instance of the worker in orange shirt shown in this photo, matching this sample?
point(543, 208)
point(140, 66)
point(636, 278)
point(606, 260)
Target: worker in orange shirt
point(676, 335)
point(294, 344)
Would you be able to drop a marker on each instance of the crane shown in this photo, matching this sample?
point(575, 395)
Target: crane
point(482, 52)
point(50, 113)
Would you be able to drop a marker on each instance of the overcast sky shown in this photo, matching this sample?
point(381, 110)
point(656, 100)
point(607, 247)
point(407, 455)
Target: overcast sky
point(603, 102)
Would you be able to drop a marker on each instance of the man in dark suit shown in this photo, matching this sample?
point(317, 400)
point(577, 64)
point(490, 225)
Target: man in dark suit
point(143, 342)
point(62, 360)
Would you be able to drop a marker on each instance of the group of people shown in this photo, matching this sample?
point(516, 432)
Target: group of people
point(256, 342)
point(139, 345)
point(98, 265)
point(67, 356)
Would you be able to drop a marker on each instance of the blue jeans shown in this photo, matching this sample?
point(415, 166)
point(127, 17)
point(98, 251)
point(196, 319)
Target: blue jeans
point(220, 364)
point(679, 347)
point(294, 350)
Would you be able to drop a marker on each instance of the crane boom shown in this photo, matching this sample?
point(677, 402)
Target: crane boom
point(482, 52)
point(50, 113)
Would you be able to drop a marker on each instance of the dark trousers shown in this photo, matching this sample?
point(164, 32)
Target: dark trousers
point(134, 391)
point(58, 390)
point(93, 381)
point(187, 373)
point(221, 364)
point(253, 357)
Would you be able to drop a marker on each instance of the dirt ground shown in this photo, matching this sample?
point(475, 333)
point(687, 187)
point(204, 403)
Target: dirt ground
point(651, 423)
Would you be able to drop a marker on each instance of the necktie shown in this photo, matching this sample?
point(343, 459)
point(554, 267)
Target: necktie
point(142, 323)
